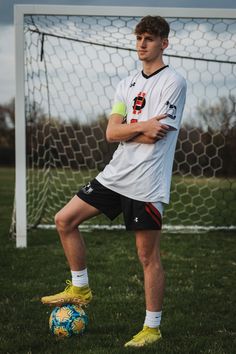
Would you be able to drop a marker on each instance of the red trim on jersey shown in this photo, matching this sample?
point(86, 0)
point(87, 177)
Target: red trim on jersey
point(133, 120)
point(154, 212)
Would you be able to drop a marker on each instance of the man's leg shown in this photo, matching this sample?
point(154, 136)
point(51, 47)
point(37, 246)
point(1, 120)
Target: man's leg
point(148, 248)
point(67, 221)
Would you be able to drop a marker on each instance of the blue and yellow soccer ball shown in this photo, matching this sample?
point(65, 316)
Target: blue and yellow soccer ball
point(68, 320)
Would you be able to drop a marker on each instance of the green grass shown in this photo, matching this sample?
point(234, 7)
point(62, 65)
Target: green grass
point(199, 309)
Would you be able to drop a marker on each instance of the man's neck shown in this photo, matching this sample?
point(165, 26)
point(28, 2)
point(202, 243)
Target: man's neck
point(150, 68)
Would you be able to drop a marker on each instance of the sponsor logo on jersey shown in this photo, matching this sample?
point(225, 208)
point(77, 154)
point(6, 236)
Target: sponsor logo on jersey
point(171, 110)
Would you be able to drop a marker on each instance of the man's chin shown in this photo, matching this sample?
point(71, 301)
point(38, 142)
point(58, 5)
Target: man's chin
point(142, 57)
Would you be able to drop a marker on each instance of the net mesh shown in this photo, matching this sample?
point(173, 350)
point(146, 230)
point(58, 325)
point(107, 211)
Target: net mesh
point(72, 67)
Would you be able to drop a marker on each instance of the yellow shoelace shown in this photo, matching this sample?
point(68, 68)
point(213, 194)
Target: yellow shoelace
point(69, 285)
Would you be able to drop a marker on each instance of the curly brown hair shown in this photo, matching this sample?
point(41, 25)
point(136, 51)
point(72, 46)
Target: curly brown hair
point(155, 25)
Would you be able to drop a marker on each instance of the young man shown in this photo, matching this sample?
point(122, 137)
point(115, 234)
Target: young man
point(145, 119)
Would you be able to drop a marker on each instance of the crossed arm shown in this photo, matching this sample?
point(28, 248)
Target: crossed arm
point(147, 132)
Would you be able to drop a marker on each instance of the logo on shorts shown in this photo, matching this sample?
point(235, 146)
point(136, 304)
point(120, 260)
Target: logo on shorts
point(136, 219)
point(87, 189)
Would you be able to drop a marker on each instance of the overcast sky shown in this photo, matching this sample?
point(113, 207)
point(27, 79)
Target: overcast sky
point(7, 61)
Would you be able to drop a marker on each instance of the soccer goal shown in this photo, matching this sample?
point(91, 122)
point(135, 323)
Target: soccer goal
point(68, 62)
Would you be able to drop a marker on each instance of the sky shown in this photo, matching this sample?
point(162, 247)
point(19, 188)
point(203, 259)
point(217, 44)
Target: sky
point(7, 58)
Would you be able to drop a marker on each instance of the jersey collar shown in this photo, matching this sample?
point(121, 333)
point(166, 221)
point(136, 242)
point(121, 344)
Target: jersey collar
point(155, 72)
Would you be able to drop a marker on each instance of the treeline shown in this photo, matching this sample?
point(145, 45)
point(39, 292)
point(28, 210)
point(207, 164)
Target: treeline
point(209, 150)
point(7, 134)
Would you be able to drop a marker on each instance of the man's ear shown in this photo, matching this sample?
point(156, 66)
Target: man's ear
point(165, 43)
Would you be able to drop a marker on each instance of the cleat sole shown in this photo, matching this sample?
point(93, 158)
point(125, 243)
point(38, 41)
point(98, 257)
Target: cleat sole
point(61, 302)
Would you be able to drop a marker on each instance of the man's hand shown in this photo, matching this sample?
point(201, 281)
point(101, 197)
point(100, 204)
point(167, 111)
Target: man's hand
point(152, 132)
point(154, 129)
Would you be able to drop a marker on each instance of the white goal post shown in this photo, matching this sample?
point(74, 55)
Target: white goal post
point(194, 162)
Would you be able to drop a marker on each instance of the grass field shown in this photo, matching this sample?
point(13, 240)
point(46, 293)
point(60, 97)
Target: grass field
point(199, 310)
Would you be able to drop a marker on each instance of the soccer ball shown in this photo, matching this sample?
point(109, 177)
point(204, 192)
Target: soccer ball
point(68, 320)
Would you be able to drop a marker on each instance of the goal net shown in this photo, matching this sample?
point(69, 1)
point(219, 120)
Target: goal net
point(72, 64)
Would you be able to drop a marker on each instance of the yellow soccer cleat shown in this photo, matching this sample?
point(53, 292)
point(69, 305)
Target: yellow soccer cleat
point(145, 337)
point(71, 295)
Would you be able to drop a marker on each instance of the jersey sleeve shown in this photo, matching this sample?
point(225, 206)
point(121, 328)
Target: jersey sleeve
point(173, 101)
point(119, 104)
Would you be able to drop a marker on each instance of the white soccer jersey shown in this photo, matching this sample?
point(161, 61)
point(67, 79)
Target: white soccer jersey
point(143, 171)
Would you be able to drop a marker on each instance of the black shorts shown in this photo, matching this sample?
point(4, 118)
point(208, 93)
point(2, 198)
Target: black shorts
point(137, 215)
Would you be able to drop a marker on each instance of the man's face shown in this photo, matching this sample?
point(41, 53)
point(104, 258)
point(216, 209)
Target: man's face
point(150, 47)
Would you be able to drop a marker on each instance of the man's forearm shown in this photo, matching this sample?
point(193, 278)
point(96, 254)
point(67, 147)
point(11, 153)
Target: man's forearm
point(122, 132)
point(152, 128)
point(143, 139)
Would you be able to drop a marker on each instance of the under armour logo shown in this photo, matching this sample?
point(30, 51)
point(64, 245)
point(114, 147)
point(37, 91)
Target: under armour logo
point(132, 84)
point(136, 219)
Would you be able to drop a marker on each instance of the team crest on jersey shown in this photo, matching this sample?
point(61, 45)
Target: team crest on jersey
point(171, 110)
point(87, 189)
point(139, 103)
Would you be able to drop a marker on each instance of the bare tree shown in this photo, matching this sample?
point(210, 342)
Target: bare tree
point(220, 116)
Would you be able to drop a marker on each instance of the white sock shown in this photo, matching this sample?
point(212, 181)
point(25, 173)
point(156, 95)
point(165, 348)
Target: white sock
point(80, 277)
point(152, 319)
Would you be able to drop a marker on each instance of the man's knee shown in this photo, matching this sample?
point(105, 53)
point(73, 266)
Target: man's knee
point(59, 221)
point(147, 259)
point(62, 224)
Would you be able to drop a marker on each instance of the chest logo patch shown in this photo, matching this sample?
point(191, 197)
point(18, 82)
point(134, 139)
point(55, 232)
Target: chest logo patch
point(139, 103)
